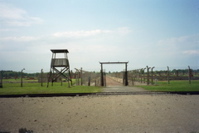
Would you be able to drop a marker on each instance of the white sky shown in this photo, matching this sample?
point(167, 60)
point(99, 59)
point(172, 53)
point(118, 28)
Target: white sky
point(156, 33)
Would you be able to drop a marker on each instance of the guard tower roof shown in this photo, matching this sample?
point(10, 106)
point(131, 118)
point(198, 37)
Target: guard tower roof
point(59, 50)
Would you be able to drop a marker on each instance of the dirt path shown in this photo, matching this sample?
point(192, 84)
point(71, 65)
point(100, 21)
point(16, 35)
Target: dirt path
point(101, 114)
point(112, 82)
point(115, 86)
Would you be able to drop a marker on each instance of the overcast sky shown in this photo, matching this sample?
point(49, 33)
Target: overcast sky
point(156, 33)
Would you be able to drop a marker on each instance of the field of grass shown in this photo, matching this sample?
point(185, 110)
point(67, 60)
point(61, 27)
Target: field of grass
point(36, 88)
point(19, 80)
point(180, 85)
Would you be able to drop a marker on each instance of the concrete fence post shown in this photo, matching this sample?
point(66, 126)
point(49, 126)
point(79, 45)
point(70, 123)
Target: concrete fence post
point(22, 77)
point(148, 74)
point(81, 76)
point(152, 75)
point(168, 80)
point(1, 79)
point(41, 77)
point(189, 74)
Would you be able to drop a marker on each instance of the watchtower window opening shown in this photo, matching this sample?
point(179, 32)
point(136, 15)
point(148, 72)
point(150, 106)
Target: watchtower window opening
point(60, 55)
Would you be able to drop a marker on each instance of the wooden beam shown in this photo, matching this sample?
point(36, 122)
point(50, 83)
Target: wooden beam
point(113, 62)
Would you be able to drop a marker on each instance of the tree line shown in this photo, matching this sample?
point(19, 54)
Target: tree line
point(13, 74)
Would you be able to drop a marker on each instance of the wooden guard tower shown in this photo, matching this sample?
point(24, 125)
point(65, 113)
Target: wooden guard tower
point(59, 67)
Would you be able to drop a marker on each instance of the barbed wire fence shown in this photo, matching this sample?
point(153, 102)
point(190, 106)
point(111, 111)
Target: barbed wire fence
point(86, 78)
point(150, 76)
point(144, 76)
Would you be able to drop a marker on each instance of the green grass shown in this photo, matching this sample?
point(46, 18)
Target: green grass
point(36, 88)
point(180, 85)
point(19, 80)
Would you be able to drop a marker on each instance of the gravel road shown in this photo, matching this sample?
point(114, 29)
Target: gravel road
point(102, 114)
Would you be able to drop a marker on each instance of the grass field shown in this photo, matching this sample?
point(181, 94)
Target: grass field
point(180, 85)
point(18, 80)
point(36, 88)
point(14, 88)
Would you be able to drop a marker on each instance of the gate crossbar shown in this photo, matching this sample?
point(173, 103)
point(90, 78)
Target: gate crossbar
point(113, 62)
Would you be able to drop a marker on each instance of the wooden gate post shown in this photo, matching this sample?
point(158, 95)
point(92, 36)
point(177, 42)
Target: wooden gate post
point(126, 75)
point(102, 75)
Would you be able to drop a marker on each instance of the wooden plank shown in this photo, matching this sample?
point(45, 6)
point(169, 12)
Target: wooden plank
point(114, 62)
